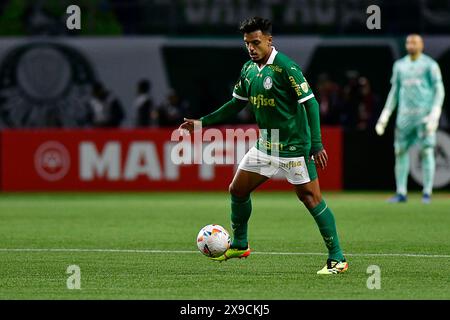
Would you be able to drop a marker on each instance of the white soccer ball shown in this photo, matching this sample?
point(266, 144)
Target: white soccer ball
point(213, 240)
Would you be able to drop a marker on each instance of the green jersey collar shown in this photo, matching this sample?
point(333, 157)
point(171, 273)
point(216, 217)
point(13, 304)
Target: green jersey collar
point(270, 60)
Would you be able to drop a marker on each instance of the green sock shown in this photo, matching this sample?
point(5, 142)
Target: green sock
point(325, 221)
point(241, 208)
point(401, 172)
point(428, 166)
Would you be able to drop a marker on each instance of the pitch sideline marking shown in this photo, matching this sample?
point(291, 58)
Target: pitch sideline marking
point(414, 255)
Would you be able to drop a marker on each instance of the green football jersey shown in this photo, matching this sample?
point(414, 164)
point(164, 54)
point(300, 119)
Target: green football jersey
point(276, 92)
point(416, 82)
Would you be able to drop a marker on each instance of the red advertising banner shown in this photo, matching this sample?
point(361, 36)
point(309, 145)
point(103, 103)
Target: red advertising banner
point(139, 160)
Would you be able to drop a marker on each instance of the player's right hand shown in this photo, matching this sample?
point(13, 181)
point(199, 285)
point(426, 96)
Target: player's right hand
point(189, 125)
point(380, 127)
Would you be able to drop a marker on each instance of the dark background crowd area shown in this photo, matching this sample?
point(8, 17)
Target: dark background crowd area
point(352, 98)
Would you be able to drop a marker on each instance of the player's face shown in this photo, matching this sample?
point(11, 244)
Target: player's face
point(258, 45)
point(414, 45)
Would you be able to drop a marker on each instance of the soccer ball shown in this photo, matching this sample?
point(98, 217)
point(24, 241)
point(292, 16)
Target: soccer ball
point(213, 240)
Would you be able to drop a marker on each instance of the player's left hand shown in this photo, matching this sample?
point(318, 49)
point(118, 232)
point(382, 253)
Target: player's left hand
point(432, 127)
point(431, 124)
point(321, 159)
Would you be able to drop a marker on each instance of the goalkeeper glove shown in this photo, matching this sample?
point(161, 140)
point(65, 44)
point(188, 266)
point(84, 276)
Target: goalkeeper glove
point(432, 120)
point(380, 127)
point(431, 123)
point(382, 122)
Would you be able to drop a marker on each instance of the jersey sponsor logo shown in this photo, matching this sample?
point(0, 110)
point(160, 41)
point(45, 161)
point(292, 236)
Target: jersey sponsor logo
point(261, 101)
point(291, 164)
point(304, 86)
point(295, 86)
point(267, 83)
point(412, 82)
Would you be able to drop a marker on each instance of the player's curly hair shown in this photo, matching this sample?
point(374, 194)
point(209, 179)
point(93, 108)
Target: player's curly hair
point(254, 24)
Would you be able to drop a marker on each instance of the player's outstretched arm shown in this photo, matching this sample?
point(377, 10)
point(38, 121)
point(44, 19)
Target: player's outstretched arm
point(222, 114)
point(225, 112)
point(317, 150)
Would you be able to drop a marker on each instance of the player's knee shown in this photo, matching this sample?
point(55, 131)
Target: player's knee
point(310, 200)
point(237, 192)
point(427, 151)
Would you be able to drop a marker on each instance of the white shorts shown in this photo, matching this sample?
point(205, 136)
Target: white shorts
point(294, 169)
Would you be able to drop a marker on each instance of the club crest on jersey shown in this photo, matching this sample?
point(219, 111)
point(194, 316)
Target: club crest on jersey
point(267, 83)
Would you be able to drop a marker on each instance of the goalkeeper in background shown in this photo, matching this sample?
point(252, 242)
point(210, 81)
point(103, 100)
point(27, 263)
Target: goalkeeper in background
point(418, 90)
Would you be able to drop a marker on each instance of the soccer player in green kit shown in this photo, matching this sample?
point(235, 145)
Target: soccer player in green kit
point(287, 114)
point(418, 89)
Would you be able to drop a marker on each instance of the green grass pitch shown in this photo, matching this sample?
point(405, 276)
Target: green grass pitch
point(142, 246)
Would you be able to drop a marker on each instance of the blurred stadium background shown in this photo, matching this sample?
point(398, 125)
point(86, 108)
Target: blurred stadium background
point(93, 110)
point(146, 64)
